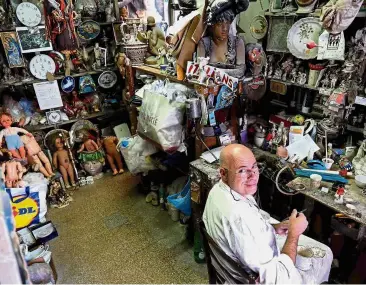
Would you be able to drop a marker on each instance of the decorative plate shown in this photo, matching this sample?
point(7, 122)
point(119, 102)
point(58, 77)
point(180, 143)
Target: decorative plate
point(258, 27)
point(68, 84)
point(40, 65)
point(88, 30)
point(28, 14)
point(301, 33)
point(107, 79)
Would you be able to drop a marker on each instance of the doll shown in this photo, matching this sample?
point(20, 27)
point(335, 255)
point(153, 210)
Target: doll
point(13, 141)
point(37, 156)
point(12, 171)
point(88, 144)
point(110, 146)
point(61, 160)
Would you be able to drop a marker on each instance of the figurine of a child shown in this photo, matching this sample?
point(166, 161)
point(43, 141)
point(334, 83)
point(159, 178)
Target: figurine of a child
point(12, 139)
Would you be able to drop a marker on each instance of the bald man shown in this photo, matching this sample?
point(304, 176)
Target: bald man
point(234, 220)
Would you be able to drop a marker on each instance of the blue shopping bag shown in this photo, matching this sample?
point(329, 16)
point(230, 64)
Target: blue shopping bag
point(182, 200)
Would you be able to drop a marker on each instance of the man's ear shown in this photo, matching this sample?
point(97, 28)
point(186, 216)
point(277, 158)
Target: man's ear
point(223, 174)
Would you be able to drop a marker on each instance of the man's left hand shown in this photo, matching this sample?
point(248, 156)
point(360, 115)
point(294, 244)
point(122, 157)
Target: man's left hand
point(282, 227)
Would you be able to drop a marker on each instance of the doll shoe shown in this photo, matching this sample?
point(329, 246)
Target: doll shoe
point(121, 171)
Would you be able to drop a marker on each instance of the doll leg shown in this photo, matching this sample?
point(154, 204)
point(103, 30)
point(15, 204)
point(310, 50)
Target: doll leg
point(9, 184)
point(46, 162)
point(117, 157)
point(70, 171)
point(15, 153)
point(22, 152)
point(65, 176)
point(112, 165)
point(40, 166)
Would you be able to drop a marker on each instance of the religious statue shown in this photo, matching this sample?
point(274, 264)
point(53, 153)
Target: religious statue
point(155, 38)
point(220, 45)
point(60, 24)
point(68, 62)
point(98, 57)
point(269, 66)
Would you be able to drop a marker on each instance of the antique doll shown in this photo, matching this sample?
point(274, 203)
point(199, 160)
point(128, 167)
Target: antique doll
point(12, 139)
point(220, 45)
point(38, 158)
point(113, 156)
point(12, 171)
point(61, 160)
point(88, 145)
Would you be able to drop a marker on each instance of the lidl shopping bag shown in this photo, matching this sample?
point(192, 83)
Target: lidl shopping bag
point(161, 119)
point(182, 200)
point(28, 204)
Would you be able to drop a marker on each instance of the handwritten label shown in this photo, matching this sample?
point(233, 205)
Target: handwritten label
point(48, 95)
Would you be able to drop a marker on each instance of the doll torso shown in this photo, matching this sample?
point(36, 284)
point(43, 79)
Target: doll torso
point(63, 158)
point(12, 170)
point(90, 146)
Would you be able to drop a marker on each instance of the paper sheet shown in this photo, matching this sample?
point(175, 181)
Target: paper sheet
point(208, 156)
point(48, 95)
point(302, 147)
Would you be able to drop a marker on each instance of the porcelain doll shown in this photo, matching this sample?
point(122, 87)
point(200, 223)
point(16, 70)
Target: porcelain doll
point(88, 145)
point(61, 160)
point(12, 171)
point(113, 156)
point(12, 139)
point(39, 159)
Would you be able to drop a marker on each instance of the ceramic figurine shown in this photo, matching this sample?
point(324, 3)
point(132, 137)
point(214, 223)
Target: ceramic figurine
point(61, 160)
point(38, 157)
point(98, 57)
point(60, 24)
point(269, 66)
point(109, 13)
point(333, 80)
point(25, 75)
point(113, 156)
point(78, 62)
point(254, 59)
point(68, 62)
point(58, 197)
point(302, 78)
point(325, 82)
point(78, 105)
point(202, 62)
point(339, 195)
point(287, 67)
point(120, 60)
point(12, 139)
point(278, 73)
point(220, 45)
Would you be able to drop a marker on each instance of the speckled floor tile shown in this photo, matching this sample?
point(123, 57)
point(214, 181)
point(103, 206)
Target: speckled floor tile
point(109, 234)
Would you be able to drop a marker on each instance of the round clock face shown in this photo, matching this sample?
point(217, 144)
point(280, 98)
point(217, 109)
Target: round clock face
point(28, 14)
point(40, 65)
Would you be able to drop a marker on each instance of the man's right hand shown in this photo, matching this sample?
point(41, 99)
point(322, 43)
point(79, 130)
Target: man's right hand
point(298, 224)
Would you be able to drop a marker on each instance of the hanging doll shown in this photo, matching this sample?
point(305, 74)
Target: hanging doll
point(37, 156)
point(113, 156)
point(60, 24)
point(61, 160)
point(12, 139)
point(12, 171)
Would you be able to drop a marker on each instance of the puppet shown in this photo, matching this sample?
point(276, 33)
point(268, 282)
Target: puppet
point(62, 161)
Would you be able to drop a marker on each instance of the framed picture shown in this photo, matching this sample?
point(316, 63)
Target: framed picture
point(12, 49)
point(277, 33)
point(33, 40)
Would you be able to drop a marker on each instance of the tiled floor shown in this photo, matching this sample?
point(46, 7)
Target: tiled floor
point(109, 234)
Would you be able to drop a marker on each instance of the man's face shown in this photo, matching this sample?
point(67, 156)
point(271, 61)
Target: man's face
point(221, 30)
point(242, 174)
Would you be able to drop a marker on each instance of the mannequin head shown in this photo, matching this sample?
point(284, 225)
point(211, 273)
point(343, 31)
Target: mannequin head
point(220, 24)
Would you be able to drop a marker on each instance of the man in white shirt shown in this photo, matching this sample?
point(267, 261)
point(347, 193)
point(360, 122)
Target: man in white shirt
point(234, 220)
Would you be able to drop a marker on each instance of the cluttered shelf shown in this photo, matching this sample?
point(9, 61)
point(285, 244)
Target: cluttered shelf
point(91, 116)
point(295, 84)
point(360, 14)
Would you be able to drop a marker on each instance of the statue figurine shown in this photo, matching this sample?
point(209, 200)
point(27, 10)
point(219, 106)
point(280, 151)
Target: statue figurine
point(98, 57)
point(124, 13)
point(269, 66)
point(37, 156)
point(12, 139)
point(155, 38)
point(202, 62)
point(325, 82)
point(59, 22)
point(302, 78)
point(7, 76)
point(254, 58)
point(278, 73)
point(333, 80)
point(287, 67)
point(339, 195)
point(78, 105)
point(221, 46)
point(68, 62)
point(109, 13)
point(113, 156)
point(61, 160)
point(120, 60)
point(12, 172)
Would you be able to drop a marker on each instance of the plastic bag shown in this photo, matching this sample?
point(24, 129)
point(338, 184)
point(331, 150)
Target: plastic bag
point(182, 200)
point(135, 151)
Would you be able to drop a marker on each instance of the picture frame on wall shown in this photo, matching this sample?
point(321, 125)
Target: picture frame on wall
point(12, 49)
point(33, 40)
point(277, 33)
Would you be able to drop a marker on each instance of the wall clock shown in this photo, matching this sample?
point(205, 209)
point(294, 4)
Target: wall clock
point(40, 65)
point(28, 14)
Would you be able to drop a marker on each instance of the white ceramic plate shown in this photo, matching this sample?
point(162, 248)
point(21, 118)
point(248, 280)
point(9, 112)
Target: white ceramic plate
point(301, 33)
point(107, 79)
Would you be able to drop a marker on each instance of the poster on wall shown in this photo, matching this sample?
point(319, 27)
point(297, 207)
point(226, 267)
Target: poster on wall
point(12, 49)
point(144, 8)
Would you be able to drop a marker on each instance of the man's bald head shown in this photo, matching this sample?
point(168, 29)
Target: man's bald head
point(231, 152)
point(238, 169)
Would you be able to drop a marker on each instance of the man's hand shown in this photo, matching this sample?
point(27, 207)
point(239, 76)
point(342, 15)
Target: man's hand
point(297, 224)
point(282, 227)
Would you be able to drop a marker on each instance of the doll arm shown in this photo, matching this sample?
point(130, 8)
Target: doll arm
point(21, 130)
point(94, 144)
point(54, 160)
point(81, 148)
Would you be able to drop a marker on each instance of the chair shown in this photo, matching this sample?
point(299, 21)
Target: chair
point(220, 266)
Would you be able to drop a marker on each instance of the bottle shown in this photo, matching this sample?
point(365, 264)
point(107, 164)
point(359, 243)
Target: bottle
point(198, 252)
point(162, 196)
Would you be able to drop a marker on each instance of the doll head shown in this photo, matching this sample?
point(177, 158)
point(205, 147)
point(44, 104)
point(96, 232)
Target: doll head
point(59, 143)
point(6, 120)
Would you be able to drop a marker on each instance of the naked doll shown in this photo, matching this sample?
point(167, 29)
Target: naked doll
point(13, 173)
point(61, 160)
point(110, 144)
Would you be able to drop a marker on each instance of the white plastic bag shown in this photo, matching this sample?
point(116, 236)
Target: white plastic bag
point(135, 151)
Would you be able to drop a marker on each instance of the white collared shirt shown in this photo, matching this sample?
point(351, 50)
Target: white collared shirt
point(242, 232)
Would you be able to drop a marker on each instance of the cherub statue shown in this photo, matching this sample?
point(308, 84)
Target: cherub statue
point(37, 156)
point(61, 160)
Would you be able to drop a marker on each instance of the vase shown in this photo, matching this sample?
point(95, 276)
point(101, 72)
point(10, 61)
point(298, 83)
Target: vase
point(136, 53)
